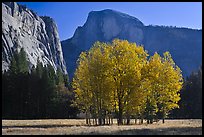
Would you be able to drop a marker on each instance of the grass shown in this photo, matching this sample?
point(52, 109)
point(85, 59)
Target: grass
point(78, 127)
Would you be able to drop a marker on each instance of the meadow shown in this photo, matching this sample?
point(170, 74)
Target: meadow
point(78, 127)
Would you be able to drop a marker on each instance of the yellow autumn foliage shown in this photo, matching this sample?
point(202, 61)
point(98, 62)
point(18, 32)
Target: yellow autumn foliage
point(118, 77)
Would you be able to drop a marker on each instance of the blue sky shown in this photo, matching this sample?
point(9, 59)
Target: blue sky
point(70, 15)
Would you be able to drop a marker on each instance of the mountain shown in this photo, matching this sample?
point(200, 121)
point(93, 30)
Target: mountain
point(23, 28)
point(184, 44)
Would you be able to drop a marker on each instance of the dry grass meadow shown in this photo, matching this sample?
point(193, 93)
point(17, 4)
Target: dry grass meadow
point(78, 127)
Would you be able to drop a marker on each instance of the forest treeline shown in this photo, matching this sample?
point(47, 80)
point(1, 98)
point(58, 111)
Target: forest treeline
point(112, 80)
point(190, 105)
point(38, 93)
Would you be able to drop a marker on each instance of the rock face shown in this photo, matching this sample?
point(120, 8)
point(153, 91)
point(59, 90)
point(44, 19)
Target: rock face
point(22, 28)
point(185, 45)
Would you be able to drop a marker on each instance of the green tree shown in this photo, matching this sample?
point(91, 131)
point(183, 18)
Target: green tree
point(33, 94)
point(22, 62)
point(191, 97)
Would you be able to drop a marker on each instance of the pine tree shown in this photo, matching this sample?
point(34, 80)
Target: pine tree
point(22, 62)
point(191, 97)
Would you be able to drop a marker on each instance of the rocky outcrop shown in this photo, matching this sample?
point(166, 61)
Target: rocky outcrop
point(22, 28)
point(184, 44)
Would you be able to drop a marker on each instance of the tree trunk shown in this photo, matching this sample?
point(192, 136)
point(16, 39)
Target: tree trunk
point(104, 117)
point(104, 121)
point(96, 121)
point(89, 119)
point(86, 118)
point(141, 120)
point(128, 119)
point(163, 114)
point(151, 121)
point(120, 115)
point(100, 119)
point(93, 121)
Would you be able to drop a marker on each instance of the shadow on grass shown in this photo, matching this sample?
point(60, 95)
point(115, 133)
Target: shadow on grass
point(158, 131)
point(47, 126)
point(38, 126)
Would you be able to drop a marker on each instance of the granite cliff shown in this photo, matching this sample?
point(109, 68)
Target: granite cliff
point(23, 28)
point(184, 44)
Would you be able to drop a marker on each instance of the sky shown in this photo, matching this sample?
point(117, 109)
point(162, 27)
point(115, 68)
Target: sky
point(69, 15)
